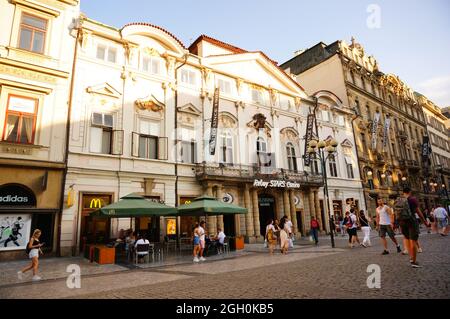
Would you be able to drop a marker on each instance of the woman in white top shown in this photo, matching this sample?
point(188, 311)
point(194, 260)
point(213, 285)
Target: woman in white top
point(34, 248)
point(284, 237)
point(270, 236)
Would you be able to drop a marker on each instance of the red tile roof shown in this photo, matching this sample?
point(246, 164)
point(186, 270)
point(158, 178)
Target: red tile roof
point(157, 27)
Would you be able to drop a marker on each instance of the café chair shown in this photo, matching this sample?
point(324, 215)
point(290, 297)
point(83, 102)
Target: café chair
point(149, 248)
point(226, 245)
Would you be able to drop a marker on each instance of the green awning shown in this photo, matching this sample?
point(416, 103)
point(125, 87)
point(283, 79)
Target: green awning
point(134, 205)
point(210, 206)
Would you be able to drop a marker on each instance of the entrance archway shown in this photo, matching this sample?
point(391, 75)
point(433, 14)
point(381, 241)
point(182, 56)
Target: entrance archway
point(266, 204)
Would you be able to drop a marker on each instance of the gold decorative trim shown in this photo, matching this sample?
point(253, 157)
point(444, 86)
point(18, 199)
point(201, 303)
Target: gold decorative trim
point(35, 68)
point(37, 7)
point(24, 86)
point(70, 2)
point(150, 104)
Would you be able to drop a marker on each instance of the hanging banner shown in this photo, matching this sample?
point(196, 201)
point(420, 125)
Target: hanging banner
point(387, 123)
point(376, 121)
point(426, 149)
point(214, 122)
point(308, 137)
point(14, 231)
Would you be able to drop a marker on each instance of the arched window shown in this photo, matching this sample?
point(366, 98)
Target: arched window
point(292, 159)
point(226, 148)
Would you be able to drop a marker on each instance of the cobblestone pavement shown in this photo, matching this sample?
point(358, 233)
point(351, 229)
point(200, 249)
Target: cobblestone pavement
point(307, 272)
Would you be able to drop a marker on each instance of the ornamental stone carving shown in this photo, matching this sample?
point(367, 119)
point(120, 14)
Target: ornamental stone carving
point(150, 104)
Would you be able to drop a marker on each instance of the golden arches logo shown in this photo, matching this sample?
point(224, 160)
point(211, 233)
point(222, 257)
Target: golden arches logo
point(96, 203)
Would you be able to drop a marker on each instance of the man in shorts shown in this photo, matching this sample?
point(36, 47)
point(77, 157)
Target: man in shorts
point(385, 224)
point(410, 227)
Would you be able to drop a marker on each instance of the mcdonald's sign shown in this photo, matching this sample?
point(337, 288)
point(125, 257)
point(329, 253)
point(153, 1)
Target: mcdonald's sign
point(95, 203)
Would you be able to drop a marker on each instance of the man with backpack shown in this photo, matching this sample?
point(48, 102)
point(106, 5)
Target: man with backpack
point(406, 207)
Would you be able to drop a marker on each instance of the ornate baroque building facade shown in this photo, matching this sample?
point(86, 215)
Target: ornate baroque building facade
point(389, 124)
point(141, 122)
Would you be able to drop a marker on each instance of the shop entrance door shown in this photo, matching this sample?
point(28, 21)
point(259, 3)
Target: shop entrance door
point(229, 225)
point(266, 211)
point(299, 221)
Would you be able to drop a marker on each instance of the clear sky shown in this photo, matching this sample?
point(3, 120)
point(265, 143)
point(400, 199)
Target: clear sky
point(411, 38)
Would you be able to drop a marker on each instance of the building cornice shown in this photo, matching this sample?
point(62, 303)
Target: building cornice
point(37, 7)
point(35, 68)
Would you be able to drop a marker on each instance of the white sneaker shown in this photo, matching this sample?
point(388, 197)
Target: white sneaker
point(196, 259)
point(20, 275)
point(36, 278)
point(202, 259)
point(405, 252)
point(419, 250)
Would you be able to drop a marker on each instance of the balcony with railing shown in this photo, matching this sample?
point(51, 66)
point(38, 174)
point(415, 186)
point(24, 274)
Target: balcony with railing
point(412, 165)
point(248, 173)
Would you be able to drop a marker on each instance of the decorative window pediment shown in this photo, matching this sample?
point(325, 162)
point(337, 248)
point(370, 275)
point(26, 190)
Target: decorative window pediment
point(347, 143)
point(104, 89)
point(190, 109)
point(149, 103)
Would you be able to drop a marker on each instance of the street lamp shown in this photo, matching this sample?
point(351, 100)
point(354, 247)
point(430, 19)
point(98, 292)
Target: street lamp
point(330, 148)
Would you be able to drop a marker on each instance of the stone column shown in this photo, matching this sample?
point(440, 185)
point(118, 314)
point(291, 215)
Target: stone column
point(220, 197)
point(293, 211)
point(303, 214)
point(256, 223)
point(287, 205)
point(211, 221)
point(249, 229)
point(318, 212)
point(312, 207)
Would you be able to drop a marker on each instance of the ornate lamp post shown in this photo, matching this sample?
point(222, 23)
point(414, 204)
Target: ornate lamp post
point(318, 148)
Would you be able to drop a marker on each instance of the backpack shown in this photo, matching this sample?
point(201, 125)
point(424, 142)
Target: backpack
point(270, 235)
point(402, 210)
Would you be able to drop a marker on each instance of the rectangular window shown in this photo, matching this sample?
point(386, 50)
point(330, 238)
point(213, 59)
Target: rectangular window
point(257, 96)
point(106, 53)
point(340, 120)
point(224, 86)
point(147, 143)
point(226, 149)
point(333, 167)
point(349, 165)
point(151, 65)
point(325, 116)
point(32, 33)
point(188, 77)
point(103, 138)
point(20, 120)
point(363, 143)
point(189, 152)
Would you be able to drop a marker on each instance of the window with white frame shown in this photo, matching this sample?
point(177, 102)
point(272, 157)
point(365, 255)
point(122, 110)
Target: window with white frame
point(149, 132)
point(257, 96)
point(104, 139)
point(151, 64)
point(225, 85)
point(106, 53)
point(340, 120)
point(349, 166)
point(325, 116)
point(21, 117)
point(226, 148)
point(333, 166)
point(285, 101)
point(188, 146)
point(291, 157)
point(315, 167)
point(261, 152)
point(188, 77)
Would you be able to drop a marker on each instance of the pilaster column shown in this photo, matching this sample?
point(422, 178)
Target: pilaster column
point(211, 221)
point(220, 197)
point(312, 208)
point(249, 229)
point(317, 204)
point(287, 205)
point(303, 214)
point(256, 223)
point(293, 211)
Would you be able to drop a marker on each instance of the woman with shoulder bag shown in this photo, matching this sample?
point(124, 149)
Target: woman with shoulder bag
point(33, 249)
point(365, 227)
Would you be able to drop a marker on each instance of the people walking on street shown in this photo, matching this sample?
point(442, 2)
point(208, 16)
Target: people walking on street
point(33, 249)
point(284, 236)
point(441, 219)
point(352, 225)
point(406, 208)
point(276, 225)
point(347, 224)
point(270, 236)
point(341, 225)
point(202, 235)
point(385, 221)
point(315, 230)
point(196, 242)
point(365, 227)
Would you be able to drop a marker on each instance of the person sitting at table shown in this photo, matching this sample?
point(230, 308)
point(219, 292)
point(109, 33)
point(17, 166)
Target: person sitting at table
point(142, 241)
point(220, 240)
point(129, 242)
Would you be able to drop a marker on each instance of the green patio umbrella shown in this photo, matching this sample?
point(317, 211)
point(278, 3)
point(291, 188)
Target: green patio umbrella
point(209, 206)
point(134, 205)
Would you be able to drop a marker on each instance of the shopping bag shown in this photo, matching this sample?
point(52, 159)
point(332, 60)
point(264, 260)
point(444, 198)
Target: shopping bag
point(311, 239)
point(265, 243)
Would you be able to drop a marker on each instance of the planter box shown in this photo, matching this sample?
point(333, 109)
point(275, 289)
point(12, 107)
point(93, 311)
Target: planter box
point(104, 255)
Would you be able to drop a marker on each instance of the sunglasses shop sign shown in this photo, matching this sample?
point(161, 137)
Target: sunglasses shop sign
point(275, 183)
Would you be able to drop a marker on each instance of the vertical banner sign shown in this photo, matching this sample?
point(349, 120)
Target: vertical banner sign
point(387, 123)
point(376, 121)
point(426, 149)
point(214, 122)
point(308, 137)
